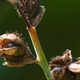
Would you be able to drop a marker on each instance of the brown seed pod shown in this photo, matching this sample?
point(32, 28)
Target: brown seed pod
point(59, 67)
point(32, 10)
point(14, 51)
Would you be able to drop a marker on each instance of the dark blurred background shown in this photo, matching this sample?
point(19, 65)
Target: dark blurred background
point(59, 30)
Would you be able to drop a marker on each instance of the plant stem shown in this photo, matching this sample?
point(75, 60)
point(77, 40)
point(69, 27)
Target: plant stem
point(39, 52)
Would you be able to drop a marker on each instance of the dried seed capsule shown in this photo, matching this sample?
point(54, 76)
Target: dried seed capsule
point(14, 51)
point(59, 67)
point(32, 10)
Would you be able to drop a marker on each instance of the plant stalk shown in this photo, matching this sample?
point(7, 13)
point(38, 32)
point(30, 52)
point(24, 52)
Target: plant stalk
point(39, 52)
point(38, 49)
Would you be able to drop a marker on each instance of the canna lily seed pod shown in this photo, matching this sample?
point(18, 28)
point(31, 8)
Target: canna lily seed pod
point(14, 51)
point(32, 10)
point(59, 67)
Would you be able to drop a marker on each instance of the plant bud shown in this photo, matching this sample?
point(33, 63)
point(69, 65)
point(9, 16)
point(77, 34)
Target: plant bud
point(14, 51)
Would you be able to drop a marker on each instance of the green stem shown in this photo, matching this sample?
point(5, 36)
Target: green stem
point(39, 52)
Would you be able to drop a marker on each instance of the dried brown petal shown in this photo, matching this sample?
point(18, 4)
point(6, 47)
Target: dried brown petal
point(14, 1)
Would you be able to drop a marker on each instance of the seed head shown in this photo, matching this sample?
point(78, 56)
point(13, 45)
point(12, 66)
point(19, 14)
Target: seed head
point(14, 51)
point(59, 67)
point(30, 8)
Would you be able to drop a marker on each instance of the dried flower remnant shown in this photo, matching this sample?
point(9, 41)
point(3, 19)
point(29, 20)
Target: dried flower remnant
point(14, 51)
point(14, 2)
point(32, 10)
point(59, 67)
point(75, 67)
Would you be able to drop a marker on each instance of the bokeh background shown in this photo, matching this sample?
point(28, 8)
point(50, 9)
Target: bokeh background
point(59, 30)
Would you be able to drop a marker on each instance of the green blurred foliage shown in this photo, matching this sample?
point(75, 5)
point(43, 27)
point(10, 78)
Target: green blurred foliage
point(58, 30)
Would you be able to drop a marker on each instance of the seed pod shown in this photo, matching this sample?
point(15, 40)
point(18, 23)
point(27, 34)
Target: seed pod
point(32, 10)
point(59, 67)
point(14, 51)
